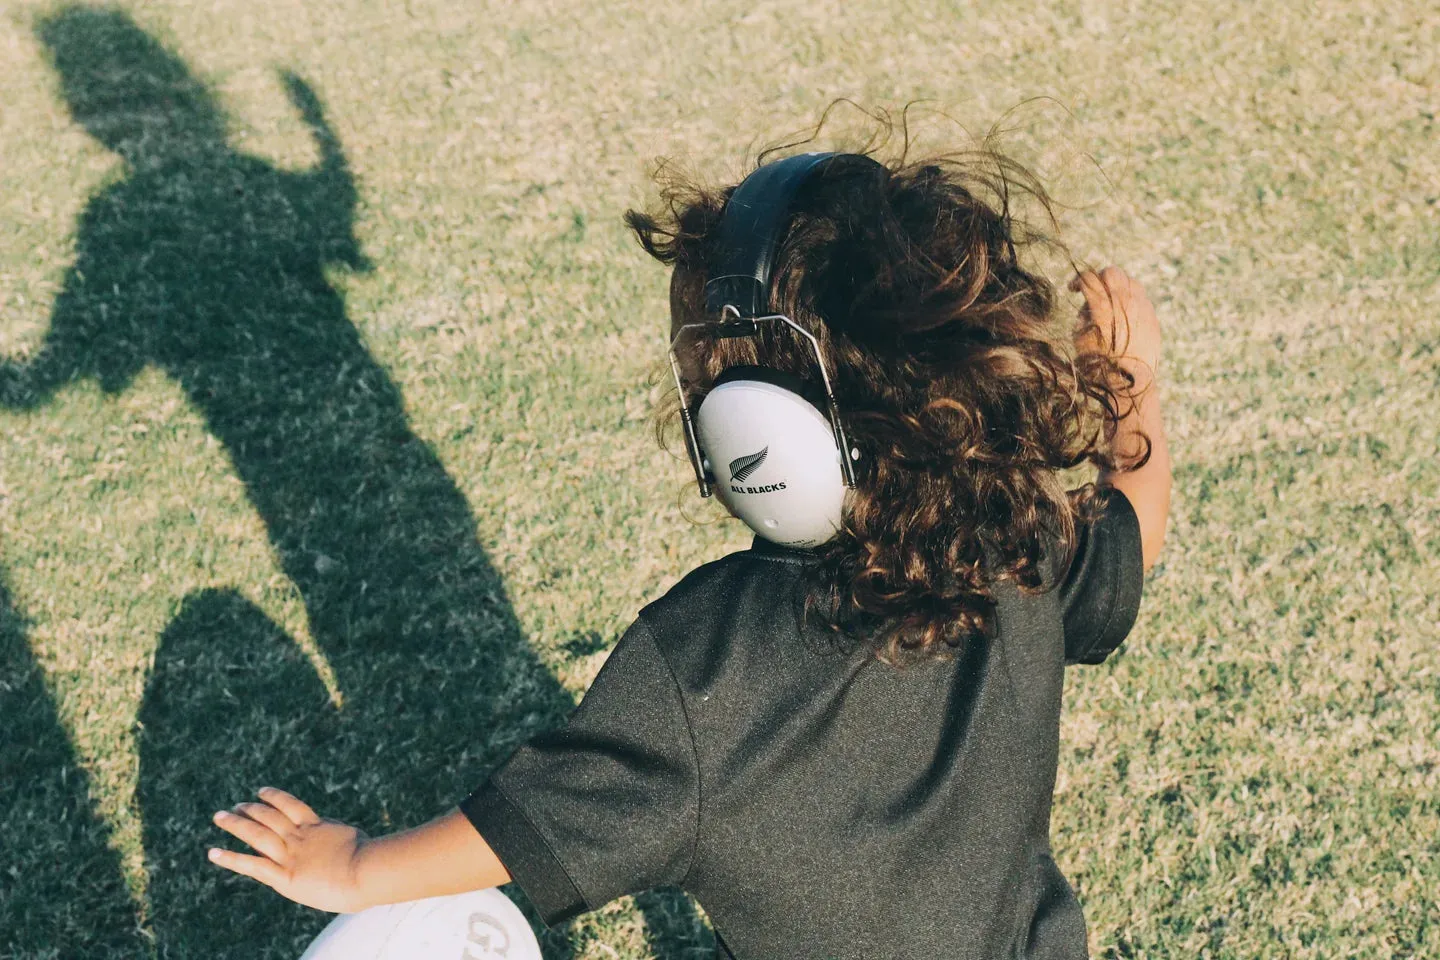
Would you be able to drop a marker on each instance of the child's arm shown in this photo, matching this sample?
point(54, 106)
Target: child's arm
point(1126, 321)
point(334, 867)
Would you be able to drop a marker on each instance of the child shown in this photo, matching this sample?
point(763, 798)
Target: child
point(845, 751)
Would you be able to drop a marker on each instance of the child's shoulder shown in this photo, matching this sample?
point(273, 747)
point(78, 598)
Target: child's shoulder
point(735, 576)
point(721, 602)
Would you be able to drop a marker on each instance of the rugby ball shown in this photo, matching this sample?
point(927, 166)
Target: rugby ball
point(479, 925)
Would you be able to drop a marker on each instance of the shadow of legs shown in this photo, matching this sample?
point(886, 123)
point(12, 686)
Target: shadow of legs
point(61, 889)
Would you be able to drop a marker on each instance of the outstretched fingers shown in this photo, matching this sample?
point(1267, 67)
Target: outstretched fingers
point(262, 869)
point(269, 816)
point(295, 809)
point(260, 837)
point(1111, 281)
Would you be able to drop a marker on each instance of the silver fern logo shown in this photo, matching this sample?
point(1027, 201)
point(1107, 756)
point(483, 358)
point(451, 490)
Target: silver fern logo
point(742, 467)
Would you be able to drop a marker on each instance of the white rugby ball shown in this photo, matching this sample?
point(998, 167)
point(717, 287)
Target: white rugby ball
point(480, 925)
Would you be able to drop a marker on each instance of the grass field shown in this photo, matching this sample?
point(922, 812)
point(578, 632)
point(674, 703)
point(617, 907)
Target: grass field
point(324, 458)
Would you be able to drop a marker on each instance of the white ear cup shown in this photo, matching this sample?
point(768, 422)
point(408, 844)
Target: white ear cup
point(774, 460)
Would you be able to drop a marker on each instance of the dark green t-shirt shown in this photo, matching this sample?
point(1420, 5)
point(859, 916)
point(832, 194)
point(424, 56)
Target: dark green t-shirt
point(819, 803)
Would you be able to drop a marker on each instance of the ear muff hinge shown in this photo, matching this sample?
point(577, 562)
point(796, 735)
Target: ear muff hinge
point(734, 329)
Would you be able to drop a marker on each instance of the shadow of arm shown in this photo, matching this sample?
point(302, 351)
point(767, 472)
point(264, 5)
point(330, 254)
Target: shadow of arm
point(80, 343)
point(331, 196)
point(25, 386)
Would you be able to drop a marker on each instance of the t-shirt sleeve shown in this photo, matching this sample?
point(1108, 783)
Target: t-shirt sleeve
point(606, 805)
point(1100, 592)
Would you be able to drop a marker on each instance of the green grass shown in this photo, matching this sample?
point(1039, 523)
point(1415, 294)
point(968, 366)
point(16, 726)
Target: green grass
point(324, 462)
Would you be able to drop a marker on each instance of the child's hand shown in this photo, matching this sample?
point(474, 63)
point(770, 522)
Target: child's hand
point(1125, 324)
point(310, 860)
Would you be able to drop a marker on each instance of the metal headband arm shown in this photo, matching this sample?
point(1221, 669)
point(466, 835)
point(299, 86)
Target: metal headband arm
point(692, 444)
point(746, 327)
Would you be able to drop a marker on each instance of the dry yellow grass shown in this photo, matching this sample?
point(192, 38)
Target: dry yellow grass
point(1254, 777)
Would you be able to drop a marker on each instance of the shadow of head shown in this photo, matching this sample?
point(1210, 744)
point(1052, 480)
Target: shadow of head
point(127, 90)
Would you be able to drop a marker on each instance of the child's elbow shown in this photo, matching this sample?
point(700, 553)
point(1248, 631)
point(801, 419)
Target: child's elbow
point(1154, 515)
point(1151, 547)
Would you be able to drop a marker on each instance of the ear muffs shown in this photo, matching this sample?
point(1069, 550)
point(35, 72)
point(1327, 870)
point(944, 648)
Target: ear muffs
point(771, 449)
point(772, 456)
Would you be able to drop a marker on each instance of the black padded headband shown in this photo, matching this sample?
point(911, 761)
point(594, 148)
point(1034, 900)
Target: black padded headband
point(750, 232)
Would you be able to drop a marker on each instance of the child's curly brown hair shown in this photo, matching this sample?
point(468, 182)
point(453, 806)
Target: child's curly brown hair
point(955, 376)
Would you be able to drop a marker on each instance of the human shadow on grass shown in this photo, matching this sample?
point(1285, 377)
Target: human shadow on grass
point(210, 265)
